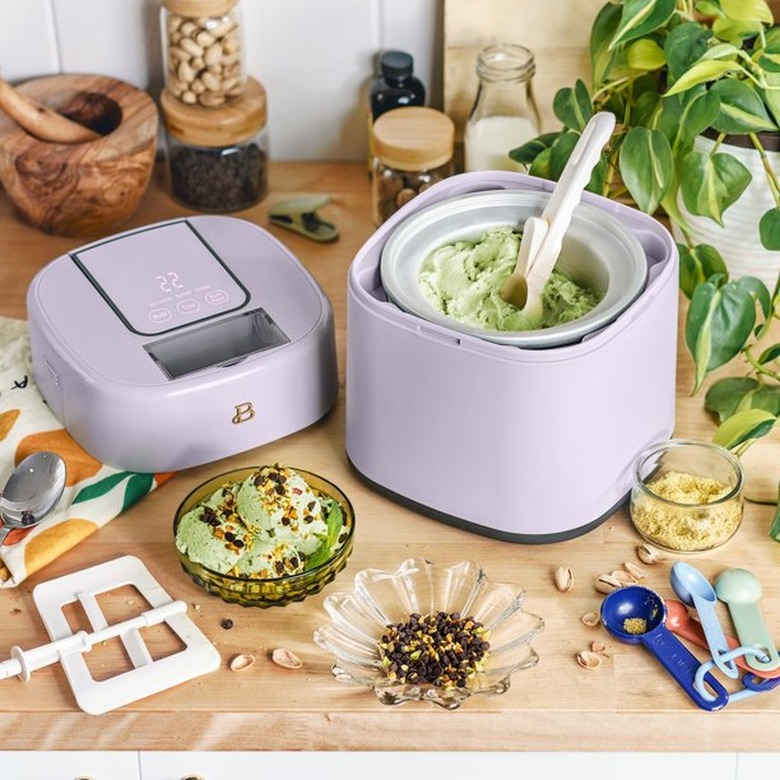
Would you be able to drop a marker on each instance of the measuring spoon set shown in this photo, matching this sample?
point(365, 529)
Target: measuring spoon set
point(638, 615)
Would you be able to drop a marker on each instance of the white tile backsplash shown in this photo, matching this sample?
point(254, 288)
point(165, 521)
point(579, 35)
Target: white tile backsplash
point(315, 59)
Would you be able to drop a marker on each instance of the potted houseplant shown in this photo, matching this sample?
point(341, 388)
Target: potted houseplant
point(685, 78)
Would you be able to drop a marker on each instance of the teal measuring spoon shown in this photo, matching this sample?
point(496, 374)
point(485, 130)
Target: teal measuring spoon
point(740, 590)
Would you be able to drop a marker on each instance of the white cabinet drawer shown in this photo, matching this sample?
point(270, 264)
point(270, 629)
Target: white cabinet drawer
point(69, 765)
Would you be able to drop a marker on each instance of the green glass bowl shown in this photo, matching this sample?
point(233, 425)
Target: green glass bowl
point(277, 591)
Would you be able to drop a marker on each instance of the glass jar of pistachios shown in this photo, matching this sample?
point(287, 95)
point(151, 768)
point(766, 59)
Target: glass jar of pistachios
point(202, 44)
point(413, 149)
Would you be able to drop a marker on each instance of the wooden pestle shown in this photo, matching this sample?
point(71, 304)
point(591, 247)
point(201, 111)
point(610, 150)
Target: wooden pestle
point(42, 122)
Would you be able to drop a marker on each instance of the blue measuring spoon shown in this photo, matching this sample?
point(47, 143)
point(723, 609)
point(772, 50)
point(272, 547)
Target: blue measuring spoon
point(694, 589)
point(637, 615)
point(741, 591)
point(751, 683)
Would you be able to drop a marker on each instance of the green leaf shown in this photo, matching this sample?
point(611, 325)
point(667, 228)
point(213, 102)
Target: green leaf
point(541, 165)
point(684, 116)
point(702, 72)
point(748, 10)
point(573, 106)
point(561, 151)
point(710, 183)
point(771, 95)
point(645, 54)
point(769, 229)
point(769, 59)
point(709, 8)
point(697, 264)
point(743, 427)
point(529, 151)
point(774, 530)
point(724, 396)
point(735, 32)
point(646, 166)
point(769, 354)
point(741, 109)
point(335, 523)
point(684, 45)
point(603, 30)
point(758, 291)
point(768, 399)
point(719, 322)
point(640, 17)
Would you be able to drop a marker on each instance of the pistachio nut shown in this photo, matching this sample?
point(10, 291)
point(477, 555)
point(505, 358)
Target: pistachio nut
point(286, 659)
point(648, 554)
point(637, 572)
point(588, 659)
point(591, 619)
point(564, 578)
point(606, 583)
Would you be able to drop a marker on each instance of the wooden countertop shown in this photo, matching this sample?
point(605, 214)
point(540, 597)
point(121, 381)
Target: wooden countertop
point(628, 703)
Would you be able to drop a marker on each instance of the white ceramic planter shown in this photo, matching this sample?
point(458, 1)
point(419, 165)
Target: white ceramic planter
point(738, 240)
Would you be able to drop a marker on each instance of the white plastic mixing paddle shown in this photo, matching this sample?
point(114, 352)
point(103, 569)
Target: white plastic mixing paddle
point(542, 236)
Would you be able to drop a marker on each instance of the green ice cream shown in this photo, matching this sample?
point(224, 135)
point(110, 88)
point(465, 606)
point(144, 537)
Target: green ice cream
point(464, 279)
point(270, 525)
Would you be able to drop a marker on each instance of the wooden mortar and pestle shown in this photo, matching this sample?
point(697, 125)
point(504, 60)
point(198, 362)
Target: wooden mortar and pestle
point(76, 151)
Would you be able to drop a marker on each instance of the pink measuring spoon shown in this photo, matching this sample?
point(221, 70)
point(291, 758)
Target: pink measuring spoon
point(679, 621)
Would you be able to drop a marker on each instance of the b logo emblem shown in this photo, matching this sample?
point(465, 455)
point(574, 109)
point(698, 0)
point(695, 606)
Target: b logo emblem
point(243, 413)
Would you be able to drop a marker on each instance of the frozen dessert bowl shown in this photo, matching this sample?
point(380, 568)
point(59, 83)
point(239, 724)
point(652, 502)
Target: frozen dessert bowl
point(687, 495)
point(264, 536)
point(429, 633)
point(598, 253)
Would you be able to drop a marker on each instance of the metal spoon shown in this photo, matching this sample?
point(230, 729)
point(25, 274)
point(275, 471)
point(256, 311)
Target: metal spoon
point(741, 591)
point(694, 589)
point(32, 491)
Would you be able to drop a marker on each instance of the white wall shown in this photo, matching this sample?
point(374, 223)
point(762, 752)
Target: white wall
point(314, 57)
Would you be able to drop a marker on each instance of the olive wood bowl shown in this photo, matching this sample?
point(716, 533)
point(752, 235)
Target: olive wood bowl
point(82, 189)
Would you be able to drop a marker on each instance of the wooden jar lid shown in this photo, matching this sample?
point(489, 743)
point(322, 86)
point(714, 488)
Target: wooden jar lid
point(414, 138)
point(229, 124)
point(199, 7)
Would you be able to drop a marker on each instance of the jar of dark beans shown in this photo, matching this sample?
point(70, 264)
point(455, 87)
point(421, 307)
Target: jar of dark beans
point(218, 158)
point(413, 149)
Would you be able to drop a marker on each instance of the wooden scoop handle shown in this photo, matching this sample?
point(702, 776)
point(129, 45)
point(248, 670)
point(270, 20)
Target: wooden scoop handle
point(42, 122)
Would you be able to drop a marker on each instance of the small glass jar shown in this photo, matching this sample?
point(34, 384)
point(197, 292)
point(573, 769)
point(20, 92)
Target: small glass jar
point(504, 115)
point(687, 495)
point(202, 43)
point(218, 159)
point(413, 149)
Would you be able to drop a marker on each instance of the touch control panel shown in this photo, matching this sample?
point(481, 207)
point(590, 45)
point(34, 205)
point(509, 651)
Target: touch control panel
point(162, 278)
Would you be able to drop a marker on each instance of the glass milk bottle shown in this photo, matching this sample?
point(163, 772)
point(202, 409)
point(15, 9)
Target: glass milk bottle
point(504, 115)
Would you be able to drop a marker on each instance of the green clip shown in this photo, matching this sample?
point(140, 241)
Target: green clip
point(300, 214)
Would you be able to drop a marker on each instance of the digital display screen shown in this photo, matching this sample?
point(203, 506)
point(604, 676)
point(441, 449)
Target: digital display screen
point(162, 278)
point(220, 343)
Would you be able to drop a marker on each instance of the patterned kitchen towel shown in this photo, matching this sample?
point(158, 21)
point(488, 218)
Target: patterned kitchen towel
point(94, 493)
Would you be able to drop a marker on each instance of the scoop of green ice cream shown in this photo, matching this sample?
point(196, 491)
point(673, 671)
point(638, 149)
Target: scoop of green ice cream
point(278, 502)
point(463, 280)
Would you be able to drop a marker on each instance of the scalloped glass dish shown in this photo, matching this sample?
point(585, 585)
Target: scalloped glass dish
point(359, 619)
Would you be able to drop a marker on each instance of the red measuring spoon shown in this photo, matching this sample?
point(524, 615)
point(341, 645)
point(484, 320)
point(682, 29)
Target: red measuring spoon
point(679, 621)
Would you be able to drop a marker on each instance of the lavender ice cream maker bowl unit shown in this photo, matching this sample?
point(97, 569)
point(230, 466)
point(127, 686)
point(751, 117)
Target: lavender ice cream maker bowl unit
point(181, 342)
point(529, 442)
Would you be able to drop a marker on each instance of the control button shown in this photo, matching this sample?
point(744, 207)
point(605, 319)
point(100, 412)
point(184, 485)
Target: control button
point(216, 297)
point(188, 306)
point(159, 316)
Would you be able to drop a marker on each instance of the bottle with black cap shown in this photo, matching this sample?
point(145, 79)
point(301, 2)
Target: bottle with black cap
point(396, 86)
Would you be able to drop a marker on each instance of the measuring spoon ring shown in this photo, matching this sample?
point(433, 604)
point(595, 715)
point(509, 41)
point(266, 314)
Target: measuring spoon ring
point(740, 590)
point(637, 615)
